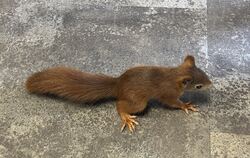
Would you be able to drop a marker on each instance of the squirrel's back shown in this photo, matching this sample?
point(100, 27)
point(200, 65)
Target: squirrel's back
point(72, 84)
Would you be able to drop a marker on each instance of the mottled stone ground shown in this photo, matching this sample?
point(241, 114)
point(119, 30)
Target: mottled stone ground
point(109, 37)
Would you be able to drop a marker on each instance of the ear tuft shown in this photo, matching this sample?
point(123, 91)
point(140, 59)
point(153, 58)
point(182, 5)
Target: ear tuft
point(189, 61)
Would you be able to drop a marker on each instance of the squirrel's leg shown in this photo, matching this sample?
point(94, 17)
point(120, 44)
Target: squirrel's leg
point(176, 103)
point(125, 109)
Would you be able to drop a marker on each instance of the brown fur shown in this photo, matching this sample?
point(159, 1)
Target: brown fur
point(133, 89)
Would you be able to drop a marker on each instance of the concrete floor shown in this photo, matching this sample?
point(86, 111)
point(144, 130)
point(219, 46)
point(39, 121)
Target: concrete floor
point(109, 37)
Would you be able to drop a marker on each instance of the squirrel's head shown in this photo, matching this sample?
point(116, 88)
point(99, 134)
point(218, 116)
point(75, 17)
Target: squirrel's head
point(193, 77)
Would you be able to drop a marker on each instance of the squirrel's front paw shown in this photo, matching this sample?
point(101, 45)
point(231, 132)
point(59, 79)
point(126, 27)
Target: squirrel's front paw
point(189, 106)
point(129, 121)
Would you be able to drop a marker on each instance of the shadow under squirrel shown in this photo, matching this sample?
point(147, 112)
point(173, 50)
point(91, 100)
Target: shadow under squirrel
point(132, 90)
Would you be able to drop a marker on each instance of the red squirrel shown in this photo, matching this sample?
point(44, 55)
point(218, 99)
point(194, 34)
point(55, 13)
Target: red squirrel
point(132, 90)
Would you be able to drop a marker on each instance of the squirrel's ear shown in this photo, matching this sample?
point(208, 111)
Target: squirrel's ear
point(189, 61)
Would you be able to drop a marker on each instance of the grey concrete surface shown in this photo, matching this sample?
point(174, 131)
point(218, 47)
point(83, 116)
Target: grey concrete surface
point(109, 37)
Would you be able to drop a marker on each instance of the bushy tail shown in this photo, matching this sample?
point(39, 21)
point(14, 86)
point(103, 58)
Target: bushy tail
point(72, 84)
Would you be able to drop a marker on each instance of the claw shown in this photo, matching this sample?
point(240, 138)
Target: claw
point(188, 103)
point(135, 122)
point(123, 126)
point(193, 109)
point(132, 116)
point(133, 126)
point(130, 128)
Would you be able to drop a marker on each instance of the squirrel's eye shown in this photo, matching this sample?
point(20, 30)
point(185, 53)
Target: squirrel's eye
point(198, 86)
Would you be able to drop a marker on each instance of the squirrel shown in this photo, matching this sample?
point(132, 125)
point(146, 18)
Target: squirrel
point(132, 89)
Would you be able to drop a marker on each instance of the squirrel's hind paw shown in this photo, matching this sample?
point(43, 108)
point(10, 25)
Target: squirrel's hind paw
point(129, 121)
